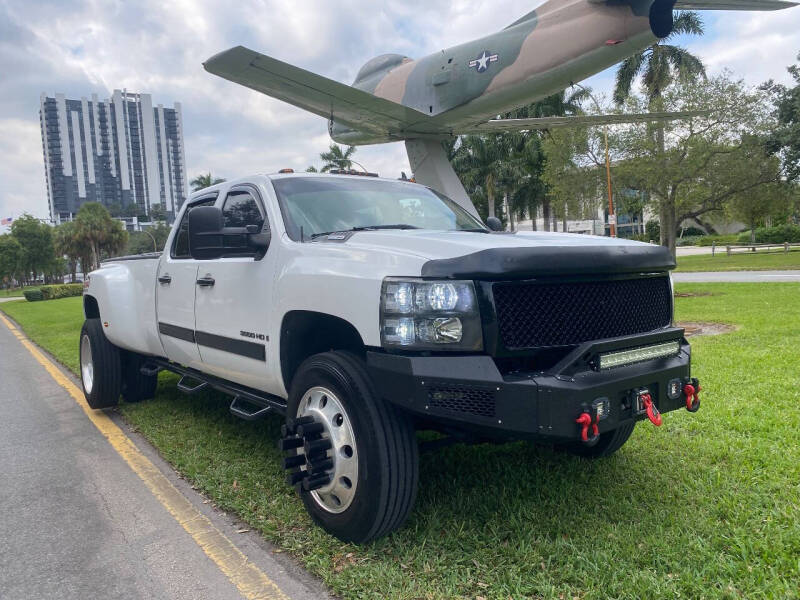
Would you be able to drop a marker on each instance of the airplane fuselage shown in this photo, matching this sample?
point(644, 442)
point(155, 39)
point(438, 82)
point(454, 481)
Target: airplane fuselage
point(562, 42)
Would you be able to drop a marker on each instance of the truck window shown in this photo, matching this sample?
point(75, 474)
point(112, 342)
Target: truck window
point(241, 210)
point(180, 246)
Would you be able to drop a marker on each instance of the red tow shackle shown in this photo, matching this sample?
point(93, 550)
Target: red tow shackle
point(585, 421)
point(652, 411)
point(691, 391)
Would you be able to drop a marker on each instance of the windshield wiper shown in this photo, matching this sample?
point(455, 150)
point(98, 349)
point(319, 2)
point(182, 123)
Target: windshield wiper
point(365, 228)
point(473, 230)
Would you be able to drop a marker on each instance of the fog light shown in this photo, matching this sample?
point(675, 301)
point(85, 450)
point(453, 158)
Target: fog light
point(634, 355)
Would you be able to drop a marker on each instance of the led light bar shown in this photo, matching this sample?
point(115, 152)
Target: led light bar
point(635, 355)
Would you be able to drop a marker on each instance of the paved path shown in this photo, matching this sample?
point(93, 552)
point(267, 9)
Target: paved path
point(737, 276)
point(77, 522)
point(694, 250)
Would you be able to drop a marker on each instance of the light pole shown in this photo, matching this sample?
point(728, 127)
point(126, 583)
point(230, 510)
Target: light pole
point(155, 247)
point(612, 218)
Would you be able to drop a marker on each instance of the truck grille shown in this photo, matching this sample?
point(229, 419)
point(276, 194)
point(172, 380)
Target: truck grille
point(533, 314)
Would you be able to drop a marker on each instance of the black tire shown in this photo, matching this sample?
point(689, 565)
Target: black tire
point(102, 387)
point(609, 442)
point(136, 386)
point(386, 449)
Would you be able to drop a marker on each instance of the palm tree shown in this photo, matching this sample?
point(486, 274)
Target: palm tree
point(478, 161)
point(203, 181)
point(334, 158)
point(661, 63)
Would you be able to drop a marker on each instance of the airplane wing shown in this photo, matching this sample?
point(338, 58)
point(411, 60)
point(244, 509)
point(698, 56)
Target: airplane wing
point(733, 4)
point(309, 91)
point(501, 125)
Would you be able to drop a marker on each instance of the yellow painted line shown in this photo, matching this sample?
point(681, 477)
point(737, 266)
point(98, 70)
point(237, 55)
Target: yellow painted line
point(251, 582)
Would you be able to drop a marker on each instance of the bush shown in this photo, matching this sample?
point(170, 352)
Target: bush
point(773, 235)
point(33, 295)
point(693, 232)
point(51, 292)
point(721, 240)
point(652, 231)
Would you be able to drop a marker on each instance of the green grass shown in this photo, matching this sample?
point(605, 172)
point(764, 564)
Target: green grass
point(740, 261)
point(707, 506)
point(17, 292)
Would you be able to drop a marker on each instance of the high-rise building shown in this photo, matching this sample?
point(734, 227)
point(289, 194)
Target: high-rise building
point(119, 151)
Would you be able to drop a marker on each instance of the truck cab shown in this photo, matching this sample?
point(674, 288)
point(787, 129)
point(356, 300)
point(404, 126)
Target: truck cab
point(364, 309)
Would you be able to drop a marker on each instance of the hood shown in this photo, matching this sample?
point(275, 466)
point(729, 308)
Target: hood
point(467, 255)
point(451, 244)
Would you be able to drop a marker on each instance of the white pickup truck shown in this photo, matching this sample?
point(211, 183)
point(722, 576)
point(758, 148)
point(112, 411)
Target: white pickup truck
point(364, 309)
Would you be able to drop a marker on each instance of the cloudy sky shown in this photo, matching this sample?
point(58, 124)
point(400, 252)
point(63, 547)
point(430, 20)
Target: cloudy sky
point(94, 46)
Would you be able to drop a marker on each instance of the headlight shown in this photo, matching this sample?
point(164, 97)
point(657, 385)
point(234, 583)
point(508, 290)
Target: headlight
point(441, 315)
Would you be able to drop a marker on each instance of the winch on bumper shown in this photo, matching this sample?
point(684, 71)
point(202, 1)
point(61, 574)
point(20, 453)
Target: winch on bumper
point(608, 379)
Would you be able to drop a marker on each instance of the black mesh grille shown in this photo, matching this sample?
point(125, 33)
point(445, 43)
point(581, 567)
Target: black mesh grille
point(462, 399)
point(532, 314)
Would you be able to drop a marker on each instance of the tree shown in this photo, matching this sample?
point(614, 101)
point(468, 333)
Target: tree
point(158, 212)
point(786, 136)
point(10, 258)
point(203, 181)
point(36, 240)
point(99, 233)
point(140, 242)
point(478, 160)
point(335, 158)
point(661, 65)
point(696, 167)
point(69, 244)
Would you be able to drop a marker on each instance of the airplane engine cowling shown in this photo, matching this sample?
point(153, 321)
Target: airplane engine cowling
point(661, 17)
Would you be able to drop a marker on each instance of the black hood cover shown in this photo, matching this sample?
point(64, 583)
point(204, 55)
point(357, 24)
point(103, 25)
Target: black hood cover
point(526, 263)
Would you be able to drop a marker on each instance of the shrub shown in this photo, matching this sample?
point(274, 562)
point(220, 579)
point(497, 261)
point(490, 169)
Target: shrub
point(721, 240)
point(51, 292)
point(773, 235)
point(652, 231)
point(693, 232)
point(33, 295)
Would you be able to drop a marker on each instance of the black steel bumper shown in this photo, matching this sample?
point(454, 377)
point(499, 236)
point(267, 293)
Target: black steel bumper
point(469, 393)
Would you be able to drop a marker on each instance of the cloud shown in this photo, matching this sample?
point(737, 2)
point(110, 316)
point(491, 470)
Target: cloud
point(81, 47)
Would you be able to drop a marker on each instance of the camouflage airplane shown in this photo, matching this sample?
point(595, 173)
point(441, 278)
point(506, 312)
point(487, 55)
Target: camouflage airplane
point(462, 89)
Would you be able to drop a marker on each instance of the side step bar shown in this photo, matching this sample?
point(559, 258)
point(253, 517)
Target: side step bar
point(242, 396)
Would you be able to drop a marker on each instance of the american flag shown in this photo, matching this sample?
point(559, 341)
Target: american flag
point(6, 221)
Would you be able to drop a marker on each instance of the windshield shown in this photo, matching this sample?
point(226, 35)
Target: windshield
point(321, 205)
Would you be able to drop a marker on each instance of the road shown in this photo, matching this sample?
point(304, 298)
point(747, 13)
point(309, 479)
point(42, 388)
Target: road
point(77, 522)
point(737, 276)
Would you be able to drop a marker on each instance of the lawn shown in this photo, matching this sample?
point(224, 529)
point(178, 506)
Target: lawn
point(17, 292)
point(707, 506)
point(740, 261)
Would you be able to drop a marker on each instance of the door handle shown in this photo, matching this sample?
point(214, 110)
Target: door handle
point(165, 278)
point(207, 281)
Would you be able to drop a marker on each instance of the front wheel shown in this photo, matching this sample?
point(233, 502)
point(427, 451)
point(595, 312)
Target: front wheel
point(608, 444)
point(101, 372)
point(359, 454)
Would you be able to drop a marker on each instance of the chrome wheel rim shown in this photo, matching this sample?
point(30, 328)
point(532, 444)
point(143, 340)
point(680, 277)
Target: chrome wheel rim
point(87, 366)
point(326, 408)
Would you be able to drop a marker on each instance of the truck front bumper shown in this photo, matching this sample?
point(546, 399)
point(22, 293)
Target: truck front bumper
point(469, 393)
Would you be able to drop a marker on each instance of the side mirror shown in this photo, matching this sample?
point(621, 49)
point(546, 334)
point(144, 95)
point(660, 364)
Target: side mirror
point(210, 239)
point(492, 223)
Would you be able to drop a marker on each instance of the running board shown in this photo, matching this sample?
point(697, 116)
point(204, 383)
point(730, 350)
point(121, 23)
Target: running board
point(248, 415)
point(264, 402)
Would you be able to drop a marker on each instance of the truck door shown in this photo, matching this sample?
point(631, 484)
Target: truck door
point(175, 294)
point(232, 307)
